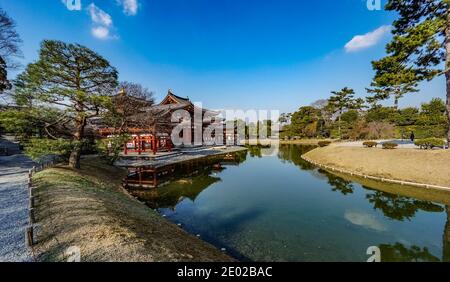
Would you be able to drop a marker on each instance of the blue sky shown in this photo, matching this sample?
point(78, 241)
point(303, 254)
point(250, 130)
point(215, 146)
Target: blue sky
point(245, 54)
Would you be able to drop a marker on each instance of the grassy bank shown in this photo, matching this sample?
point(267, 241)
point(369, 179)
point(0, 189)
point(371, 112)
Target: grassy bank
point(89, 209)
point(427, 167)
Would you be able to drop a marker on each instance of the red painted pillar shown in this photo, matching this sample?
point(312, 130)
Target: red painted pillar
point(155, 149)
point(139, 144)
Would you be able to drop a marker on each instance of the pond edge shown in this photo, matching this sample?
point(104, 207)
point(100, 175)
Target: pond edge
point(387, 180)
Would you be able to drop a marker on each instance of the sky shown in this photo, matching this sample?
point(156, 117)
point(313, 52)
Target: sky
point(226, 54)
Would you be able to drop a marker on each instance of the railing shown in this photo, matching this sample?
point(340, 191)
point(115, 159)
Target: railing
point(29, 233)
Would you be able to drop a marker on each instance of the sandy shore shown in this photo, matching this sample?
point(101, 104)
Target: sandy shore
point(89, 209)
point(412, 165)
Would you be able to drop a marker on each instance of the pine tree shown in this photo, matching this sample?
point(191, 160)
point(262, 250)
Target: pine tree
point(421, 40)
point(392, 78)
point(74, 79)
point(344, 100)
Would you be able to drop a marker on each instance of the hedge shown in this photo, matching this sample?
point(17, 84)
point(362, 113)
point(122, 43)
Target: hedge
point(370, 144)
point(430, 143)
point(390, 145)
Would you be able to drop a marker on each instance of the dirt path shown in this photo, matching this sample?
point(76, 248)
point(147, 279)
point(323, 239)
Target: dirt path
point(13, 207)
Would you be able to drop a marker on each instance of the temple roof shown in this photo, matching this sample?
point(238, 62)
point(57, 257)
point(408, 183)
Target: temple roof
point(174, 99)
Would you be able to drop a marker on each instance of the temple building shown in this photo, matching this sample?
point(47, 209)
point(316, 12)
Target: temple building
point(152, 126)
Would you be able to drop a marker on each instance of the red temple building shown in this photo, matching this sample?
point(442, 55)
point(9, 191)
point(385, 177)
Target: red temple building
point(155, 136)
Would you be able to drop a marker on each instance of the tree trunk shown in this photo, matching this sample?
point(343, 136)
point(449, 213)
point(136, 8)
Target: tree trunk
point(339, 125)
point(75, 155)
point(396, 103)
point(74, 160)
point(447, 69)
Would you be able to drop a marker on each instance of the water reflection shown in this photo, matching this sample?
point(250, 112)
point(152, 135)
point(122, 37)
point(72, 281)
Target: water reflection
point(293, 154)
point(393, 206)
point(446, 238)
point(169, 196)
point(189, 181)
point(282, 221)
point(398, 207)
point(400, 253)
point(338, 184)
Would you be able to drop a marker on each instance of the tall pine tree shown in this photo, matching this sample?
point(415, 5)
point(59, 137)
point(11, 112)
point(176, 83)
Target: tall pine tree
point(421, 40)
point(73, 78)
point(342, 101)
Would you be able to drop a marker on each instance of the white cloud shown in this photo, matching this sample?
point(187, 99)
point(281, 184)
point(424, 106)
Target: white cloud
point(360, 42)
point(102, 22)
point(99, 16)
point(100, 32)
point(130, 7)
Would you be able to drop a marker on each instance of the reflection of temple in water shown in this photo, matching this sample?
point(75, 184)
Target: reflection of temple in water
point(170, 195)
point(153, 177)
point(181, 181)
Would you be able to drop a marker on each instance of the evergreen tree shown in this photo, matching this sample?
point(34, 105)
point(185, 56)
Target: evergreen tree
point(74, 79)
point(342, 101)
point(392, 79)
point(421, 40)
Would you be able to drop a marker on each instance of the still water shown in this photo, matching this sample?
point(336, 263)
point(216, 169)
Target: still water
point(270, 205)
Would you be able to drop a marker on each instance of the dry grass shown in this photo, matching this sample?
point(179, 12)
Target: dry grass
point(89, 209)
point(428, 167)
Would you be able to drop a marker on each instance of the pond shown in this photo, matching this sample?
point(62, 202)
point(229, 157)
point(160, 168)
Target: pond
point(270, 205)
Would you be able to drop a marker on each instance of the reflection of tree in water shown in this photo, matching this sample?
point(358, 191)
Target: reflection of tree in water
point(393, 206)
point(240, 157)
point(400, 253)
point(339, 184)
point(399, 207)
point(255, 150)
point(293, 153)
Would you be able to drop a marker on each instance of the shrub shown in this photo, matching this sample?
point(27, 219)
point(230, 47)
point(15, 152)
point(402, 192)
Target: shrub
point(390, 145)
point(429, 143)
point(37, 149)
point(370, 144)
point(110, 148)
point(324, 143)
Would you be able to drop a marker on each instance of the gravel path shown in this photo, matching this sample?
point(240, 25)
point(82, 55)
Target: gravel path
point(13, 207)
